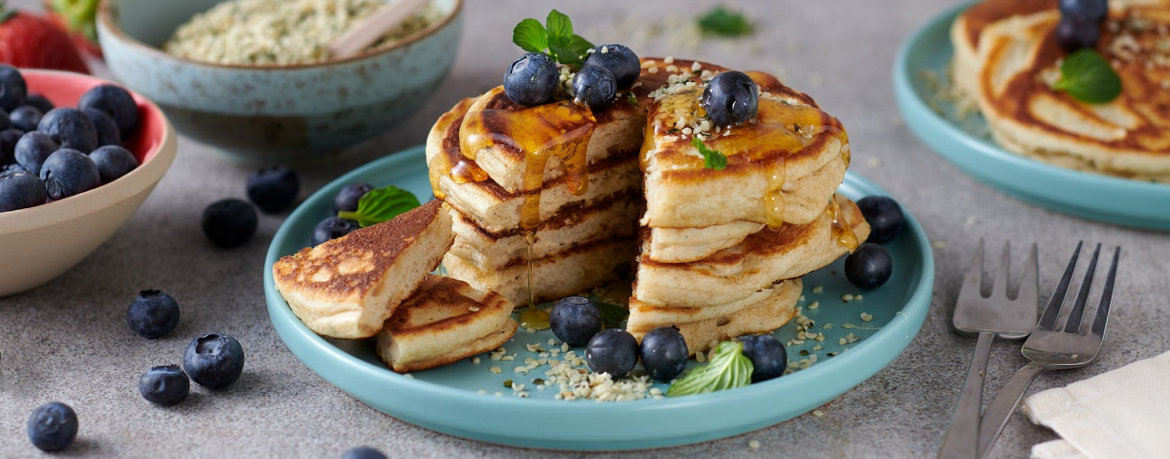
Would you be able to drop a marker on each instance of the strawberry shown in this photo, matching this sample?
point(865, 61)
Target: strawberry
point(27, 41)
point(76, 18)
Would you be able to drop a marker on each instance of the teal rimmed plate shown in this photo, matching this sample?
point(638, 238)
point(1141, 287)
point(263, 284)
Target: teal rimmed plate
point(447, 400)
point(965, 143)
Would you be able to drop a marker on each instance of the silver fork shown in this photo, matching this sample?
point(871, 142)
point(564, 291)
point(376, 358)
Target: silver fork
point(990, 316)
point(1051, 347)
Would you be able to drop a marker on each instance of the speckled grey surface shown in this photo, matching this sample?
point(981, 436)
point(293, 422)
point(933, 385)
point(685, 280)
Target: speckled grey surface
point(68, 340)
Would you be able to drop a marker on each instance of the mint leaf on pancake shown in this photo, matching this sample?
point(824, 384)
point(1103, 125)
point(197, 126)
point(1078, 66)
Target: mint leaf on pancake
point(1088, 77)
point(530, 36)
point(711, 159)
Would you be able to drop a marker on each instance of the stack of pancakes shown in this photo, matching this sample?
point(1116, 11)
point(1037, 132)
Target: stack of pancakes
point(1007, 57)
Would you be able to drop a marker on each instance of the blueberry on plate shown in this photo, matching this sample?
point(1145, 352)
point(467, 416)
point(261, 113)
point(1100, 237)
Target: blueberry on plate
point(5, 119)
point(214, 361)
point(731, 98)
point(153, 314)
point(273, 189)
point(13, 90)
point(619, 60)
point(52, 426)
point(70, 128)
point(1076, 31)
point(594, 86)
point(165, 385)
point(13, 168)
point(332, 228)
point(575, 320)
point(769, 359)
point(1095, 10)
point(8, 140)
point(40, 102)
point(115, 102)
point(68, 172)
point(107, 130)
point(532, 79)
point(612, 351)
point(33, 149)
point(363, 452)
point(347, 199)
point(884, 216)
point(869, 266)
point(20, 190)
point(664, 353)
point(113, 162)
point(229, 223)
point(26, 117)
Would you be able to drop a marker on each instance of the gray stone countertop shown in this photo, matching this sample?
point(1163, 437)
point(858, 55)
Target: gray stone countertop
point(68, 340)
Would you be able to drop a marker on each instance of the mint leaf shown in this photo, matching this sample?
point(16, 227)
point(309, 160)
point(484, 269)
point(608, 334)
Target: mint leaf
point(381, 205)
point(559, 26)
point(564, 54)
point(728, 369)
point(721, 22)
point(711, 159)
point(1088, 77)
point(579, 45)
point(612, 315)
point(530, 36)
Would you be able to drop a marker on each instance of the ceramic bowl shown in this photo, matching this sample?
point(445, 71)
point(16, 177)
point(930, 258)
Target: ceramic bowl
point(40, 243)
point(274, 114)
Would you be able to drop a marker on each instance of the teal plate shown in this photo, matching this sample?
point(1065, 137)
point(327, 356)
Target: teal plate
point(966, 144)
point(446, 399)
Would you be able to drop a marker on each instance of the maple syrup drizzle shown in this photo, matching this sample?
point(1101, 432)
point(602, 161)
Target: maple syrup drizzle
point(842, 230)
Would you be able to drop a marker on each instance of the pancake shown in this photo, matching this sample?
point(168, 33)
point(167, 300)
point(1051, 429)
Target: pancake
point(968, 27)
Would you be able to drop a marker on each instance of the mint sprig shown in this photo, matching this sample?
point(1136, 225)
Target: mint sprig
point(724, 23)
point(555, 38)
point(612, 315)
point(1088, 77)
point(711, 159)
point(381, 205)
point(728, 369)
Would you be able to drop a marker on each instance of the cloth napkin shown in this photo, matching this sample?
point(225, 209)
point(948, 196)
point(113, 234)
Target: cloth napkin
point(1121, 414)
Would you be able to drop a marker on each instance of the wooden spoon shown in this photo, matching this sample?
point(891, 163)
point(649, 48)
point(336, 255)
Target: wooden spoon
point(366, 33)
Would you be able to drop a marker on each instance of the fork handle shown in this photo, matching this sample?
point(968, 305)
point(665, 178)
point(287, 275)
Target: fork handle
point(1001, 409)
point(962, 439)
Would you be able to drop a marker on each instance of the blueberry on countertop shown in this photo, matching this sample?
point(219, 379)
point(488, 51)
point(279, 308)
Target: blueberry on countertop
point(1095, 10)
point(347, 199)
point(575, 320)
point(26, 117)
point(68, 172)
point(13, 90)
point(107, 131)
point(52, 426)
point(1076, 31)
point(273, 189)
point(363, 452)
point(33, 149)
point(619, 60)
point(8, 140)
point(70, 128)
point(731, 98)
point(532, 79)
point(165, 385)
point(20, 190)
point(214, 361)
point(594, 86)
point(664, 353)
point(115, 102)
point(332, 228)
point(113, 162)
point(229, 223)
point(869, 266)
point(612, 351)
point(40, 102)
point(884, 216)
point(769, 359)
point(153, 314)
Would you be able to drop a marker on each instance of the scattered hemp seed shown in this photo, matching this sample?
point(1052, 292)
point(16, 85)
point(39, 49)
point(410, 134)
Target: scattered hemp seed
point(818, 289)
point(508, 383)
point(754, 445)
point(497, 370)
point(818, 413)
point(866, 317)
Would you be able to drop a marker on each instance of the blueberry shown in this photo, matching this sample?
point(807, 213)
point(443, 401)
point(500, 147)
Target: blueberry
point(229, 223)
point(532, 79)
point(664, 353)
point(113, 162)
point(33, 149)
point(620, 61)
point(731, 98)
point(40, 102)
point(153, 314)
point(8, 140)
point(612, 351)
point(594, 86)
point(164, 385)
point(1095, 10)
point(214, 361)
point(347, 199)
point(769, 359)
point(869, 266)
point(5, 119)
point(20, 190)
point(106, 129)
point(884, 216)
point(13, 90)
point(14, 168)
point(115, 102)
point(69, 172)
point(273, 189)
point(575, 320)
point(70, 128)
point(26, 117)
point(1077, 31)
point(363, 452)
point(52, 426)
point(332, 228)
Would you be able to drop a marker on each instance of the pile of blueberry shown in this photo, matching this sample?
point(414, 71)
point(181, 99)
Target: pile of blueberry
point(49, 153)
point(231, 222)
point(870, 266)
point(534, 78)
point(1080, 23)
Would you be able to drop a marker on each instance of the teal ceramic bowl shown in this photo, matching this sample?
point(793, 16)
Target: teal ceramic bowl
point(274, 114)
point(963, 142)
point(447, 399)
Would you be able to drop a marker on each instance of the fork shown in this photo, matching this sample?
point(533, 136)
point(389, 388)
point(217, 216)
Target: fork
point(1051, 347)
point(991, 316)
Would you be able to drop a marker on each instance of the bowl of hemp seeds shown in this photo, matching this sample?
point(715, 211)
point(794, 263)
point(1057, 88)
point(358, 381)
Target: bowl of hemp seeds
point(254, 78)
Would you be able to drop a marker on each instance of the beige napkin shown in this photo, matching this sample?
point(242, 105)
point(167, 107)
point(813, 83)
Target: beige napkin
point(1121, 414)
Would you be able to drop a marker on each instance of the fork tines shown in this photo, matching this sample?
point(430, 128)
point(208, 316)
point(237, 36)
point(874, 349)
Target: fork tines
point(1076, 316)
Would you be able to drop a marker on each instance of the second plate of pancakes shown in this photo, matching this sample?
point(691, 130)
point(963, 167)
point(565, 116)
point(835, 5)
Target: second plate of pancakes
point(920, 71)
